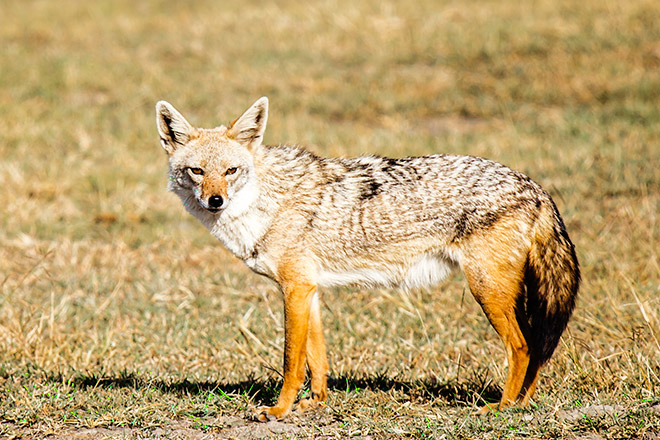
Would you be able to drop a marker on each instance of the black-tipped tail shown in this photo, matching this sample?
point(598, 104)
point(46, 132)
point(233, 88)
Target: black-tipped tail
point(552, 279)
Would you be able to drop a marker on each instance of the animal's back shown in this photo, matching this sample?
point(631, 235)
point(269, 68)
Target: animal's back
point(375, 219)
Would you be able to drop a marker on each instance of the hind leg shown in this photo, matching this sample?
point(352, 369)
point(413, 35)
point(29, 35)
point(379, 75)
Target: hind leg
point(500, 296)
point(531, 378)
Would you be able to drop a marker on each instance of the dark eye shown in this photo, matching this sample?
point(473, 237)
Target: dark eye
point(230, 171)
point(197, 171)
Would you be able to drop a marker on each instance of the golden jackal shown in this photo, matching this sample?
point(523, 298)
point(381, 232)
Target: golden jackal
point(306, 221)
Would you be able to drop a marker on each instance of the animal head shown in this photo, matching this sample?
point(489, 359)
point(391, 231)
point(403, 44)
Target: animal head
point(208, 167)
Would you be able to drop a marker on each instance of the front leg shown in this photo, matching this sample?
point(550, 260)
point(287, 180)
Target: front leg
point(317, 360)
point(297, 300)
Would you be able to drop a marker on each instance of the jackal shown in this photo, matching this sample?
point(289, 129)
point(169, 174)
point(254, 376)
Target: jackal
point(306, 221)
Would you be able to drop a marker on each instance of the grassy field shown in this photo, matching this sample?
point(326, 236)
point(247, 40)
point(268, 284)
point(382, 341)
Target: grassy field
point(121, 317)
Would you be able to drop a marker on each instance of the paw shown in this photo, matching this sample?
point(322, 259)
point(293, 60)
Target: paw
point(306, 404)
point(491, 408)
point(271, 413)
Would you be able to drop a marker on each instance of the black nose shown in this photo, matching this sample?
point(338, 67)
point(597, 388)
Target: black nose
point(215, 202)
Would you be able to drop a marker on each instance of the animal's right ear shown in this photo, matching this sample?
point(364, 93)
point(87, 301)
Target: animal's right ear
point(173, 128)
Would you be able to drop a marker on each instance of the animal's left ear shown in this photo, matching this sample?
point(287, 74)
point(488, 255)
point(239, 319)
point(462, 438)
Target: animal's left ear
point(249, 128)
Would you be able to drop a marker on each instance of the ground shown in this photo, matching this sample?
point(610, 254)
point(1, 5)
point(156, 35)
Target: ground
point(120, 316)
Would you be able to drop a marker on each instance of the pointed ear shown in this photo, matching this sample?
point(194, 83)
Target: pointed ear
point(249, 128)
point(173, 128)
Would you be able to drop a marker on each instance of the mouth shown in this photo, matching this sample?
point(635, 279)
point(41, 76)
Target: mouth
point(208, 208)
point(211, 208)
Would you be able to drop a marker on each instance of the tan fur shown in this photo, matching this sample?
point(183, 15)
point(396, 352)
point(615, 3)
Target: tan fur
point(298, 294)
point(495, 273)
point(305, 221)
point(214, 185)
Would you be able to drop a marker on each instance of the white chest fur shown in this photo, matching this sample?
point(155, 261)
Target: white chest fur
point(241, 225)
point(238, 227)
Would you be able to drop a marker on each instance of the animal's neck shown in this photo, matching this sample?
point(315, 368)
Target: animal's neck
point(242, 225)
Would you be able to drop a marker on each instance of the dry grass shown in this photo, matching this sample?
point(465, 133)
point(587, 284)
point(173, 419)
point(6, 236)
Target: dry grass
point(121, 317)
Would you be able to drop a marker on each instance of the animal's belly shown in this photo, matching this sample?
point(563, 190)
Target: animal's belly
point(425, 271)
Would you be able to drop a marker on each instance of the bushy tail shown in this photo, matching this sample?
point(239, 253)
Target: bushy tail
point(552, 279)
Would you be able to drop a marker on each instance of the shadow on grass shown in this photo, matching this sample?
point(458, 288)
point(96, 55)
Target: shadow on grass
point(477, 391)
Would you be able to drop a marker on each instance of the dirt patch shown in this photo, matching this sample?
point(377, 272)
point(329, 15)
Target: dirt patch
point(229, 427)
point(316, 424)
point(599, 411)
